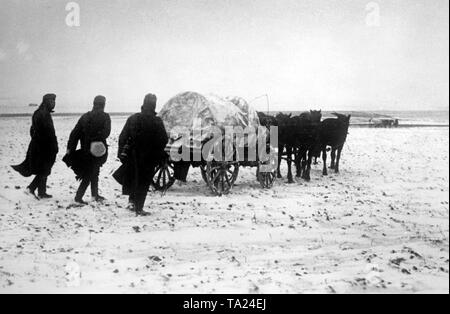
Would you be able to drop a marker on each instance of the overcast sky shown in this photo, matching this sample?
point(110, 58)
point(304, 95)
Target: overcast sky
point(302, 53)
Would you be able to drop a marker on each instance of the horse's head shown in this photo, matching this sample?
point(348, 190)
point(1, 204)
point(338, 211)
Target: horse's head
point(261, 115)
point(266, 120)
point(342, 117)
point(283, 119)
point(316, 115)
point(270, 121)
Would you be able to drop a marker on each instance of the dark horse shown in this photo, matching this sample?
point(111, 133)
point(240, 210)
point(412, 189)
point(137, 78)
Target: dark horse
point(298, 136)
point(333, 133)
point(308, 137)
point(266, 120)
point(286, 141)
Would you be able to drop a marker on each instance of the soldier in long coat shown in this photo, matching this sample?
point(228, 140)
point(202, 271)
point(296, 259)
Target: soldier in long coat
point(42, 150)
point(92, 131)
point(141, 149)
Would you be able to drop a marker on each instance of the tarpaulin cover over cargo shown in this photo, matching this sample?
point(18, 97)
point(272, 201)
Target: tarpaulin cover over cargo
point(188, 111)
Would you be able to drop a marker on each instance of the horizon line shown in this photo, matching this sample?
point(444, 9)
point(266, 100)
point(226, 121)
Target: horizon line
point(123, 113)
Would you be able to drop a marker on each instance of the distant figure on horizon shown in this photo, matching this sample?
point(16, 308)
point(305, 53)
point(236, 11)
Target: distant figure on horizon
point(92, 131)
point(43, 148)
point(141, 148)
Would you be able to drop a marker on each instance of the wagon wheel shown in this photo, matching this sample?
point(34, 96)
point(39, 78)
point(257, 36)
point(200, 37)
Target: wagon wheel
point(221, 176)
point(267, 178)
point(164, 176)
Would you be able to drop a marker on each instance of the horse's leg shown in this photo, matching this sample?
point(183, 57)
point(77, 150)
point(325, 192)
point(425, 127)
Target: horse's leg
point(315, 160)
point(280, 156)
point(336, 169)
point(307, 173)
point(324, 158)
point(301, 162)
point(304, 157)
point(289, 162)
point(298, 162)
point(333, 158)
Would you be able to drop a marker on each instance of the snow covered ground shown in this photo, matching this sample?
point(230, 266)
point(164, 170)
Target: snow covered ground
point(380, 226)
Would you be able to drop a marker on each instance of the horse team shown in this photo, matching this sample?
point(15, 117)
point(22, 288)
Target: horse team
point(303, 138)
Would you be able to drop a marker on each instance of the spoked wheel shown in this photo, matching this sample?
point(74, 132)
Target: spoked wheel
point(221, 176)
point(266, 172)
point(164, 176)
point(266, 179)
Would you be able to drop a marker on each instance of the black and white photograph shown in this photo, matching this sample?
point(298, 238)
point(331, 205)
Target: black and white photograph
point(224, 152)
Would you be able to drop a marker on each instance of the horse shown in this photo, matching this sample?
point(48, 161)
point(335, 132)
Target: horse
point(298, 136)
point(333, 133)
point(286, 141)
point(308, 138)
point(316, 117)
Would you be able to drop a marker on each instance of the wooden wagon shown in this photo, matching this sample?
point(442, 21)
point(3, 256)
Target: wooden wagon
point(188, 111)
